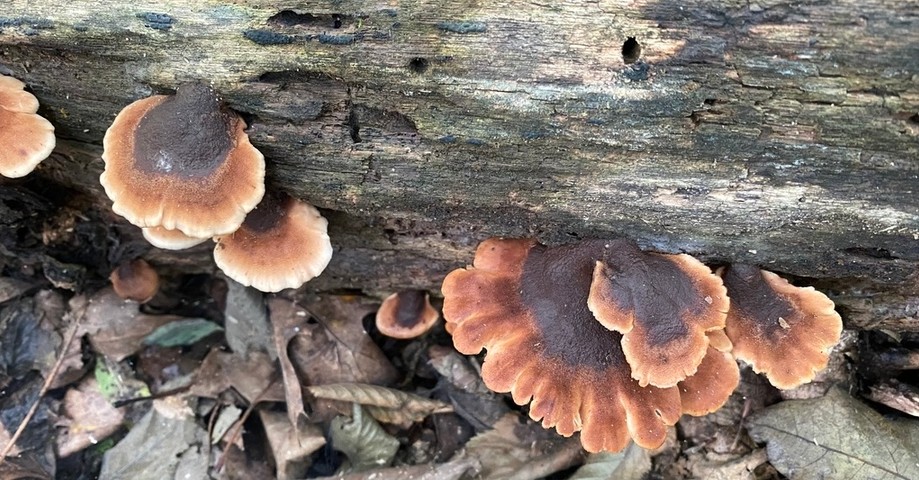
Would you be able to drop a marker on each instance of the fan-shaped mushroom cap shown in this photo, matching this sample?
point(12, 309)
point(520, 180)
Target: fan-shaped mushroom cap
point(783, 331)
point(26, 137)
point(182, 162)
point(283, 243)
point(662, 304)
point(406, 314)
point(170, 239)
point(526, 304)
point(716, 378)
point(135, 280)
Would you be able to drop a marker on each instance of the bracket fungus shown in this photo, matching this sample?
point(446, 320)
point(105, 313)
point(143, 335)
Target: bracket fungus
point(182, 162)
point(406, 314)
point(283, 243)
point(783, 331)
point(170, 239)
point(527, 305)
point(27, 137)
point(663, 305)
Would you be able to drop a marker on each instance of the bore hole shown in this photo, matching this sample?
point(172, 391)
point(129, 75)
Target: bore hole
point(418, 65)
point(336, 21)
point(631, 50)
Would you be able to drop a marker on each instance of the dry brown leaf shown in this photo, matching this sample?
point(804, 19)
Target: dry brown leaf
point(250, 377)
point(336, 348)
point(385, 404)
point(515, 450)
point(288, 319)
point(290, 446)
point(115, 327)
point(88, 418)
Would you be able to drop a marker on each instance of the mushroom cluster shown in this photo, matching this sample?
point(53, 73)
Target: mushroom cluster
point(27, 137)
point(604, 338)
point(182, 168)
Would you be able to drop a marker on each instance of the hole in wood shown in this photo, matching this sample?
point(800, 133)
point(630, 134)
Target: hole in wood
point(418, 65)
point(631, 50)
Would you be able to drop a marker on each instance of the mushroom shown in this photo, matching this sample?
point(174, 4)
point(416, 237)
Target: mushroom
point(170, 239)
point(27, 137)
point(526, 304)
point(406, 314)
point(182, 162)
point(135, 280)
point(716, 378)
point(783, 331)
point(283, 243)
point(663, 305)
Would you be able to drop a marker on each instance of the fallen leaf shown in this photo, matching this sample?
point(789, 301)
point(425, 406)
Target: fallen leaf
point(290, 446)
point(463, 385)
point(453, 470)
point(513, 450)
point(335, 348)
point(836, 436)
point(288, 320)
point(27, 343)
point(11, 288)
point(88, 418)
point(385, 404)
point(362, 440)
point(633, 463)
point(181, 333)
point(225, 419)
point(158, 447)
point(37, 439)
point(115, 326)
point(247, 326)
point(254, 377)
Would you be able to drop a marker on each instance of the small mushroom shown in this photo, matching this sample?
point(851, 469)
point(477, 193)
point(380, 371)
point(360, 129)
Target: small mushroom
point(526, 304)
point(783, 331)
point(663, 305)
point(182, 162)
point(27, 138)
point(135, 280)
point(170, 239)
point(283, 243)
point(406, 314)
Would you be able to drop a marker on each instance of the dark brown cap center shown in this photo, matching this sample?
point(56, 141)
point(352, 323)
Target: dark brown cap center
point(187, 135)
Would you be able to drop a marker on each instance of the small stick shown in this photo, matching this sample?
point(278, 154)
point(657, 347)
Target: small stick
point(65, 347)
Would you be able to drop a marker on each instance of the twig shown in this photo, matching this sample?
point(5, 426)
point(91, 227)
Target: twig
point(234, 432)
point(65, 347)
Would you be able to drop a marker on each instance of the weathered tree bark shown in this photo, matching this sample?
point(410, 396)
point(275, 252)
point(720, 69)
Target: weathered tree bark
point(784, 134)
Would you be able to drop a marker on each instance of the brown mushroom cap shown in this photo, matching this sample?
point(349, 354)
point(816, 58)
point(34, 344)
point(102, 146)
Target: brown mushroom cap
point(662, 304)
point(714, 381)
point(170, 239)
point(283, 243)
point(406, 314)
point(182, 162)
point(526, 304)
point(783, 331)
point(26, 137)
point(135, 280)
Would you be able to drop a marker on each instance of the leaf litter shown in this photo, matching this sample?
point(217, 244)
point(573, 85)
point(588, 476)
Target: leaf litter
point(298, 386)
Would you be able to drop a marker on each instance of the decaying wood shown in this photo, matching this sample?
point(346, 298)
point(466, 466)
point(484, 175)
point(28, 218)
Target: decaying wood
point(784, 134)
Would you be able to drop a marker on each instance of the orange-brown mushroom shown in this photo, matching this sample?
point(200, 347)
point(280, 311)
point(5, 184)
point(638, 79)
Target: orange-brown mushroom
point(783, 331)
point(182, 162)
point(135, 280)
point(283, 243)
point(662, 304)
point(526, 304)
point(406, 314)
point(716, 378)
point(170, 239)
point(27, 138)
